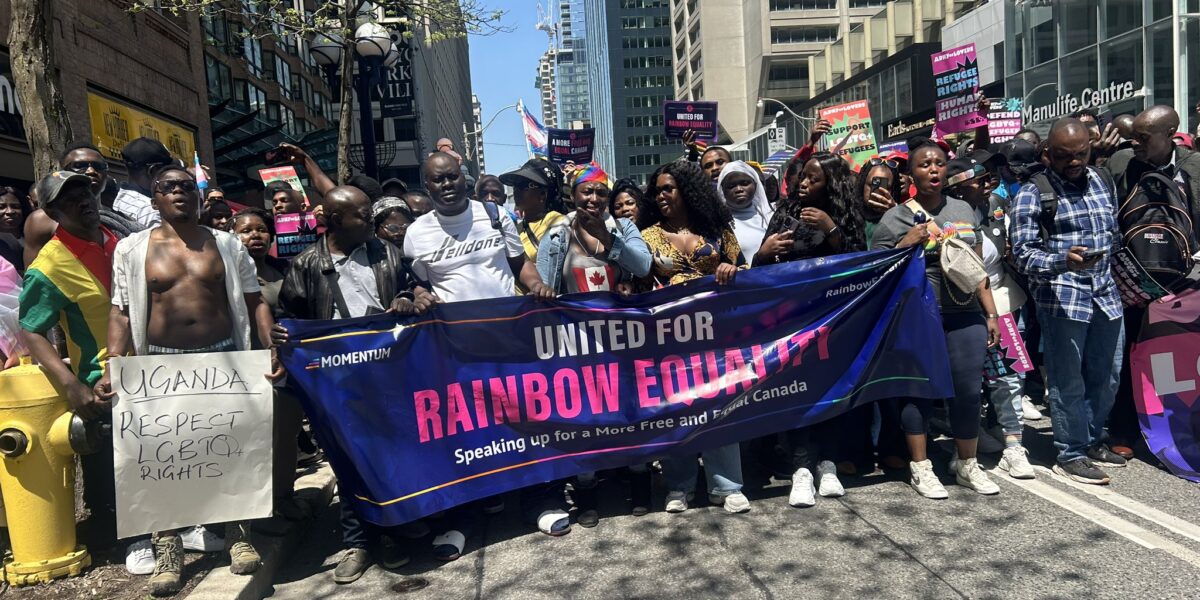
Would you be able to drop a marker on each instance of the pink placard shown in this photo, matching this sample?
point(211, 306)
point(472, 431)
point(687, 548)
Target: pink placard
point(956, 88)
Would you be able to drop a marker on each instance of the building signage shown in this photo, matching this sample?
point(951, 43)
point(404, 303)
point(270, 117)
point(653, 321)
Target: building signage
point(12, 118)
point(1088, 98)
point(115, 124)
point(907, 126)
point(776, 139)
point(396, 99)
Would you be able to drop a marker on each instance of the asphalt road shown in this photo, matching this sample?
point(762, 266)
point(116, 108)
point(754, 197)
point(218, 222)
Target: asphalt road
point(1048, 538)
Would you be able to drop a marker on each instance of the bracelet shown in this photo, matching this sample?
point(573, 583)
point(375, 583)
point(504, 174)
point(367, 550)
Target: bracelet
point(993, 316)
point(832, 231)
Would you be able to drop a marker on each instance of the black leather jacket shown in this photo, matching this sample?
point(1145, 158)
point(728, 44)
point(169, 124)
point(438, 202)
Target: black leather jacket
point(307, 294)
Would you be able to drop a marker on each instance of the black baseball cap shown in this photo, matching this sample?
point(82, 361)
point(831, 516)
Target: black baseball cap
point(146, 151)
point(1022, 157)
point(536, 170)
point(51, 187)
point(963, 169)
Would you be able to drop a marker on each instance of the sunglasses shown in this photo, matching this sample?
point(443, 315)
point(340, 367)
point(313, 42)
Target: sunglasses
point(81, 166)
point(529, 185)
point(889, 163)
point(166, 186)
point(394, 229)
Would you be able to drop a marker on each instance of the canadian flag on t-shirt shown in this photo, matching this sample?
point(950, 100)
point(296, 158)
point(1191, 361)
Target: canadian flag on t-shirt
point(595, 279)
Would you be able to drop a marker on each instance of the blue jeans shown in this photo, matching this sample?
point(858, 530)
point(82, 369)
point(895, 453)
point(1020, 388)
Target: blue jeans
point(722, 469)
point(1005, 393)
point(1083, 361)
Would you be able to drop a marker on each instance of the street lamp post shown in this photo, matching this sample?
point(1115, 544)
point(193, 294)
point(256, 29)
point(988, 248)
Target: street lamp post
point(467, 134)
point(799, 119)
point(374, 51)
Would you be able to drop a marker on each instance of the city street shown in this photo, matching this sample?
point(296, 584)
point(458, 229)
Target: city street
point(1138, 538)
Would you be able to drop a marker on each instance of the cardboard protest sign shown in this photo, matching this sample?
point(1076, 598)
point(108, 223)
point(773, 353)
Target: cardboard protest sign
point(294, 232)
point(851, 136)
point(191, 439)
point(1137, 286)
point(287, 174)
point(701, 117)
point(1004, 119)
point(571, 145)
point(956, 81)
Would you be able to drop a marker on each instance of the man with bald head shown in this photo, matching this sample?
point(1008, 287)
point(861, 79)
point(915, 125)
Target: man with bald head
point(1153, 150)
point(1065, 254)
point(349, 273)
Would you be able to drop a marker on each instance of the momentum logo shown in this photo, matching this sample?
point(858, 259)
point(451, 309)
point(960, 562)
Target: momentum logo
point(349, 358)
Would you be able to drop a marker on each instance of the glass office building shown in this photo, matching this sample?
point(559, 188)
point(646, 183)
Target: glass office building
point(1113, 56)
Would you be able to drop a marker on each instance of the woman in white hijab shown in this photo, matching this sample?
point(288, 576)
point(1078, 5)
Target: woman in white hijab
point(740, 186)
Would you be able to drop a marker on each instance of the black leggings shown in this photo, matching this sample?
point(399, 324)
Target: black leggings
point(966, 344)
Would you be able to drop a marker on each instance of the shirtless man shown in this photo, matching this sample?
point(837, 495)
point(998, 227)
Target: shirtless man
point(182, 288)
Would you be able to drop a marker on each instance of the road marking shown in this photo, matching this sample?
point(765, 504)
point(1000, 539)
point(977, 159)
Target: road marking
point(1166, 521)
point(1130, 531)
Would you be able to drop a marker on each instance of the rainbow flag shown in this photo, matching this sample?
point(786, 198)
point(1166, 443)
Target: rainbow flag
point(535, 132)
point(70, 284)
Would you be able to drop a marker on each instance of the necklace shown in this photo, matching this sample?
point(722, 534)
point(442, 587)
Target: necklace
point(677, 230)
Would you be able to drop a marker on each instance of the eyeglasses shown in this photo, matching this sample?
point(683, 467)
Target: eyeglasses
point(889, 163)
point(394, 229)
point(81, 166)
point(166, 186)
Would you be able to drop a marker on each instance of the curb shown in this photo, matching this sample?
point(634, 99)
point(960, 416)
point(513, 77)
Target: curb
point(275, 547)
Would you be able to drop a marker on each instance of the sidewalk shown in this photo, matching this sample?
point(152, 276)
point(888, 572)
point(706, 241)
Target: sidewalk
point(275, 539)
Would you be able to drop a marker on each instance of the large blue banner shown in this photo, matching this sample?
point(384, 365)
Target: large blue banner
point(473, 399)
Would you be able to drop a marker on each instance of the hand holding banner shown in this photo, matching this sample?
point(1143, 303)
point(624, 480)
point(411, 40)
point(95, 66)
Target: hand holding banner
point(191, 439)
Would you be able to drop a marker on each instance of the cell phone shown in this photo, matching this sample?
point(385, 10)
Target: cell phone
point(876, 183)
point(274, 157)
point(1090, 254)
point(791, 223)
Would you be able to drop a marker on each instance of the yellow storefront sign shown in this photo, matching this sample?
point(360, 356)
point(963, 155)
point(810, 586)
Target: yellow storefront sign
point(115, 124)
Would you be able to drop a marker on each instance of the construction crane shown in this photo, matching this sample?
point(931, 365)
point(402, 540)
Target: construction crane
point(546, 23)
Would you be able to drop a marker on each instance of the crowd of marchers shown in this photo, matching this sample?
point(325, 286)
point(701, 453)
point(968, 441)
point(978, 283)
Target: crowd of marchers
point(160, 265)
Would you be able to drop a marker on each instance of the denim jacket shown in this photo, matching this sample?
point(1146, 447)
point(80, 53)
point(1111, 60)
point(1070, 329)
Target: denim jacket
point(629, 251)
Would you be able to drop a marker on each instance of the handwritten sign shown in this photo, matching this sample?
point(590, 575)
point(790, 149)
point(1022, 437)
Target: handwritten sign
point(294, 232)
point(680, 116)
point(191, 439)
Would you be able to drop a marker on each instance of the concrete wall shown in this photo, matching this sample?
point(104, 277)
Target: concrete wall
point(985, 27)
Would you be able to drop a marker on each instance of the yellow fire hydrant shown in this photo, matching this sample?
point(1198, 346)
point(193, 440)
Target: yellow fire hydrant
point(37, 477)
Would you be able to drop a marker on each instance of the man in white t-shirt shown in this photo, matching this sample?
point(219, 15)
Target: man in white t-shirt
point(462, 249)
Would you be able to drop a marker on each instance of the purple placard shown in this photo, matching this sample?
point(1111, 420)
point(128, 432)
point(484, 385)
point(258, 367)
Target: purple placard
point(956, 89)
point(570, 145)
point(701, 117)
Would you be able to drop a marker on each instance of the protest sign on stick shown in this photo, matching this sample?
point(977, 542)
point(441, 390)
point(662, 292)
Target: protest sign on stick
point(851, 135)
point(1004, 119)
point(701, 117)
point(571, 145)
point(294, 232)
point(956, 81)
point(287, 174)
point(191, 439)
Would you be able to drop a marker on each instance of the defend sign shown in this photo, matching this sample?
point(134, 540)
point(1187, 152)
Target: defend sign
point(700, 117)
point(191, 439)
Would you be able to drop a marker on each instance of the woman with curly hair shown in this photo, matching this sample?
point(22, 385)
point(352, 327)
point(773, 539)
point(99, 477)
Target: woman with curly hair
point(689, 232)
point(879, 183)
point(820, 217)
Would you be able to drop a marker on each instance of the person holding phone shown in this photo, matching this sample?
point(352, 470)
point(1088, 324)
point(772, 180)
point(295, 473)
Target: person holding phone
point(879, 183)
point(1067, 260)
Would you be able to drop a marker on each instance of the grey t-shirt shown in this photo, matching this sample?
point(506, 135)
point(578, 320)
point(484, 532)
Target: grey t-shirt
point(954, 216)
point(357, 282)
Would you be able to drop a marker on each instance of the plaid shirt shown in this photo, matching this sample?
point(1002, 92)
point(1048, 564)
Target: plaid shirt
point(1085, 218)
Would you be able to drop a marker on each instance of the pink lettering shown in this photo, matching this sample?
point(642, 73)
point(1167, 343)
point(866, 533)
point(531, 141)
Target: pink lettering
point(505, 404)
point(641, 369)
point(601, 384)
point(537, 403)
point(675, 384)
point(566, 394)
point(429, 423)
point(457, 412)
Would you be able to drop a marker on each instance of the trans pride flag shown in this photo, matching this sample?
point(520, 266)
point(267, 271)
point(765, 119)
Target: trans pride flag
point(535, 132)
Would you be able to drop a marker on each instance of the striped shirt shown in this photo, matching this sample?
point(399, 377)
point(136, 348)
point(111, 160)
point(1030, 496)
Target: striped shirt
point(136, 206)
point(70, 283)
point(1085, 217)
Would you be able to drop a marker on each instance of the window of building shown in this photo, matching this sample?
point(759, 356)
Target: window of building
point(643, 160)
point(288, 119)
point(1121, 16)
point(1079, 71)
point(644, 22)
point(647, 81)
point(787, 75)
point(283, 74)
point(216, 30)
point(256, 98)
point(644, 3)
point(653, 41)
point(867, 3)
point(644, 101)
point(904, 88)
point(405, 130)
point(1162, 61)
point(220, 80)
point(252, 52)
point(644, 121)
point(273, 113)
point(803, 4)
point(806, 34)
point(646, 62)
point(1042, 43)
point(1083, 15)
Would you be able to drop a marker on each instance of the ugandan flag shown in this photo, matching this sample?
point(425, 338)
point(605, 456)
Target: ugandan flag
point(70, 283)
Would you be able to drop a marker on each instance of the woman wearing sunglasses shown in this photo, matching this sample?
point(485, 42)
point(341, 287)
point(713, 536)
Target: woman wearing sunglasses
point(536, 190)
point(879, 184)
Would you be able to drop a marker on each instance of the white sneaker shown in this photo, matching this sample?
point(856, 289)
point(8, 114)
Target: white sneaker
point(803, 493)
point(736, 502)
point(925, 482)
point(1029, 411)
point(139, 558)
point(1016, 462)
point(199, 539)
point(676, 502)
point(831, 486)
point(968, 474)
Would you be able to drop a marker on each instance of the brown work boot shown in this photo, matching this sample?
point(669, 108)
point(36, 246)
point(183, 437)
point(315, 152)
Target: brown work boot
point(243, 558)
point(168, 565)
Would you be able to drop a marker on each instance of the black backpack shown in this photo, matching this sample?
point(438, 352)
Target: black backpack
point(1158, 229)
point(1049, 198)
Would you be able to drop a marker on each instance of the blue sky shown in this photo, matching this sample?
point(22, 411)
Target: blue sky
point(503, 67)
